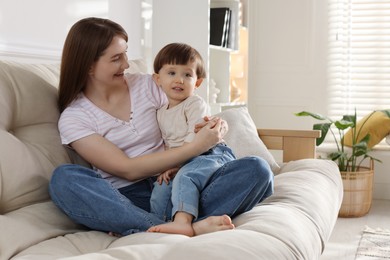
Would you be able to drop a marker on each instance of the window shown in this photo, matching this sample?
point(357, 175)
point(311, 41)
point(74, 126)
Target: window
point(359, 56)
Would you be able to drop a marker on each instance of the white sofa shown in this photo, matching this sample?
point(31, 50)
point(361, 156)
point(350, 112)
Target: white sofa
point(294, 223)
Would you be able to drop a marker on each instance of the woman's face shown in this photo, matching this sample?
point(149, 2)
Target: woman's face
point(109, 69)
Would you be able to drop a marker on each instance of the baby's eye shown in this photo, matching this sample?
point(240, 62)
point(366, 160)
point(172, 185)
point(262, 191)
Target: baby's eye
point(188, 75)
point(171, 73)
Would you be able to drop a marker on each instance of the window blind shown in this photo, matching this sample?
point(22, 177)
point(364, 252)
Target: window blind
point(359, 57)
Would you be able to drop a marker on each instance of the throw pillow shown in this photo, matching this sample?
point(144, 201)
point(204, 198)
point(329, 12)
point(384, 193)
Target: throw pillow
point(377, 124)
point(242, 136)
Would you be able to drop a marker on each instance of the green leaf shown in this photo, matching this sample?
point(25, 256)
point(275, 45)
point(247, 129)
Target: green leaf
point(345, 160)
point(361, 148)
point(343, 124)
point(360, 152)
point(314, 115)
point(375, 159)
point(387, 112)
point(338, 155)
point(324, 128)
point(366, 139)
point(371, 158)
point(341, 158)
point(335, 155)
point(350, 118)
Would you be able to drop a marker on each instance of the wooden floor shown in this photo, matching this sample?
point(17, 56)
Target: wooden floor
point(345, 237)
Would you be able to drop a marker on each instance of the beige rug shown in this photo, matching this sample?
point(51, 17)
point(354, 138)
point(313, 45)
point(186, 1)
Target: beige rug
point(374, 244)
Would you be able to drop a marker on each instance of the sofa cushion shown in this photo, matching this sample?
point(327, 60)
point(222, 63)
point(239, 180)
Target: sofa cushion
point(243, 138)
point(377, 124)
point(30, 225)
point(30, 144)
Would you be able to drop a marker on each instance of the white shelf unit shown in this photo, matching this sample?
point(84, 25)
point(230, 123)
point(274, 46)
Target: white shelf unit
point(219, 71)
point(234, 6)
point(193, 27)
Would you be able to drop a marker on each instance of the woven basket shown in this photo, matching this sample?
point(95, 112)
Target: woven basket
point(357, 192)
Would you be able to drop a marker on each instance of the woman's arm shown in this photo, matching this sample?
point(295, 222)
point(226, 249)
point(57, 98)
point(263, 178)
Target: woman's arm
point(108, 157)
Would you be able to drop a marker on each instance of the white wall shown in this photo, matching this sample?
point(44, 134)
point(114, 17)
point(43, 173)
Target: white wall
point(287, 72)
point(36, 30)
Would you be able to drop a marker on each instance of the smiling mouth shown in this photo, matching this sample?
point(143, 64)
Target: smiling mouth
point(119, 74)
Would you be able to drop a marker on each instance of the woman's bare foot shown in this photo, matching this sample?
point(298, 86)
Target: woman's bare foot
point(174, 228)
point(212, 224)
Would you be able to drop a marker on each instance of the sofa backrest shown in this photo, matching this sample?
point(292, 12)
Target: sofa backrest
point(30, 145)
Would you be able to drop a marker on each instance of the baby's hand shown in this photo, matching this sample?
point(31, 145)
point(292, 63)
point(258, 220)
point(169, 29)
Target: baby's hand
point(167, 175)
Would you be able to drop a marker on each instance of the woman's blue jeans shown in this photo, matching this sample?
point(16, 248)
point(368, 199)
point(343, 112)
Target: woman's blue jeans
point(92, 201)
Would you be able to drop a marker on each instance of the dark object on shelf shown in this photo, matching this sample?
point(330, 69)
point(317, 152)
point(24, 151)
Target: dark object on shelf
point(219, 26)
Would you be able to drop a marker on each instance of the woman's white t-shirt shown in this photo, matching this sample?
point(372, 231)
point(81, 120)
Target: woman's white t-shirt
point(138, 136)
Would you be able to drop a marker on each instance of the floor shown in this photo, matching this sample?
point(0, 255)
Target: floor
point(345, 237)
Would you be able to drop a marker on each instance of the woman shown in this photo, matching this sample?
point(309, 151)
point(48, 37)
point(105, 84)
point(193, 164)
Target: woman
point(109, 118)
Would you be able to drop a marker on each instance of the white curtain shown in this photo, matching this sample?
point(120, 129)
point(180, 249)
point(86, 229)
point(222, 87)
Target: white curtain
point(359, 56)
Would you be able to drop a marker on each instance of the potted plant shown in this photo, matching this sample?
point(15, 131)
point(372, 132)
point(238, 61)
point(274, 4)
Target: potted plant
point(357, 179)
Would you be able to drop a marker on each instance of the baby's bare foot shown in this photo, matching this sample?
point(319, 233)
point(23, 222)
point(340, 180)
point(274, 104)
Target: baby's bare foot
point(174, 228)
point(212, 224)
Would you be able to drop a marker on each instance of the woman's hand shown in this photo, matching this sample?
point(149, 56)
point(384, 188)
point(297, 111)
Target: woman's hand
point(223, 129)
point(208, 135)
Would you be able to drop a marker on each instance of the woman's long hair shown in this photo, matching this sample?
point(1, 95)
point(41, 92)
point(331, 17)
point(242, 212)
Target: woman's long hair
point(85, 43)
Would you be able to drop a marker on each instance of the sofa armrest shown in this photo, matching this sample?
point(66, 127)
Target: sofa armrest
point(295, 144)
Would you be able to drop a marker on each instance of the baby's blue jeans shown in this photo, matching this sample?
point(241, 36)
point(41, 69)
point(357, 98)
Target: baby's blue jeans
point(183, 192)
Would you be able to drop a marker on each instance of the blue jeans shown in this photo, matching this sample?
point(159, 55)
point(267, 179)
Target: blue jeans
point(92, 201)
point(183, 192)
